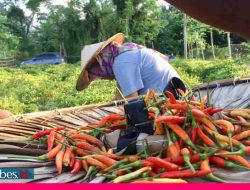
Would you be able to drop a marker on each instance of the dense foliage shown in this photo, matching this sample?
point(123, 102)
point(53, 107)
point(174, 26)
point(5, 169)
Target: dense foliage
point(39, 88)
point(81, 22)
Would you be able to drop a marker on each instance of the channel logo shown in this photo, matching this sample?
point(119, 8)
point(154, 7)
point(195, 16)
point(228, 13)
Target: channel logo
point(16, 173)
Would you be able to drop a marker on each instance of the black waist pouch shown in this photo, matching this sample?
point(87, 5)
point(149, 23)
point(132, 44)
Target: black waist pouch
point(173, 85)
point(137, 120)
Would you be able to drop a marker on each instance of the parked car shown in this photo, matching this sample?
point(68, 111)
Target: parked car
point(45, 58)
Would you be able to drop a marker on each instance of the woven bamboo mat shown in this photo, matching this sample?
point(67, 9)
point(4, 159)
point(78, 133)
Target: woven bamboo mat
point(73, 118)
point(27, 124)
point(70, 118)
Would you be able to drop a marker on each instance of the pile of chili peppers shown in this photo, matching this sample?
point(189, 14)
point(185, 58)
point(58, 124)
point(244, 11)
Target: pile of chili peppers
point(196, 142)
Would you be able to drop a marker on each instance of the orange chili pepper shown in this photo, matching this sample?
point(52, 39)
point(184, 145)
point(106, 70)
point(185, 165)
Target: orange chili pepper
point(86, 146)
point(85, 165)
point(163, 163)
point(203, 103)
point(222, 137)
point(66, 157)
point(59, 160)
point(186, 156)
point(89, 138)
point(181, 133)
point(94, 162)
point(205, 167)
point(237, 158)
point(52, 154)
point(104, 159)
point(206, 122)
point(172, 150)
point(228, 125)
point(50, 139)
point(242, 135)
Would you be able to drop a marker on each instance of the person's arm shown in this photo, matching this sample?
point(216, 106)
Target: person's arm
point(118, 95)
point(133, 95)
point(229, 15)
point(127, 73)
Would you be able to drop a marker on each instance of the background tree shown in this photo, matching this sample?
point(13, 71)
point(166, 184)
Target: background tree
point(68, 28)
point(8, 42)
point(170, 38)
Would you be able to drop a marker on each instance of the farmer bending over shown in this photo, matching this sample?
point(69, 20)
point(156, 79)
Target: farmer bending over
point(135, 67)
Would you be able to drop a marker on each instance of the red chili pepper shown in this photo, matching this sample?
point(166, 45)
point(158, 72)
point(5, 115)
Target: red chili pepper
point(119, 124)
point(171, 97)
point(109, 119)
point(159, 170)
point(151, 115)
point(172, 119)
point(151, 174)
point(246, 142)
point(207, 110)
point(185, 173)
point(181, 143)
point(180, 160)
point(163, 110)
point(223, 163)
point(46, 132)
point(163, 164)
point(204, 137)
point(77, 166)
point(193, 134)
point(215, 110)
point(184, 107)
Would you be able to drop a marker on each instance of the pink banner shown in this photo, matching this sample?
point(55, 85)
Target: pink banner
point(125, 186)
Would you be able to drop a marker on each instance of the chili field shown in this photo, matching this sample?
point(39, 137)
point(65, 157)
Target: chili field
point(47, 87)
